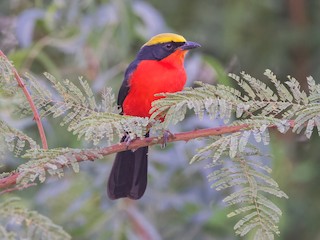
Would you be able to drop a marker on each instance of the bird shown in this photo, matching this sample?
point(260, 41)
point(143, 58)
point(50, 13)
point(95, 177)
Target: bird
point(157, 68)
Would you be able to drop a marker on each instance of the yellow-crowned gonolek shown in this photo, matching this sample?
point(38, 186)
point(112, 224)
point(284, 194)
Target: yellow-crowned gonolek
point(157, 68)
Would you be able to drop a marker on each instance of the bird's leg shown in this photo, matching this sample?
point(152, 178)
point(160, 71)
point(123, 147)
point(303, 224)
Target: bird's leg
point(166, 136)
point(127, 139)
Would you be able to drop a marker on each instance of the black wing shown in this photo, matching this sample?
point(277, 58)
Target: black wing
point(125, 87)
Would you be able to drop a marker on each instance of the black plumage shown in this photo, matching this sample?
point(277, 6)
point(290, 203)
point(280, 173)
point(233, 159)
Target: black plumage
point(128, 177)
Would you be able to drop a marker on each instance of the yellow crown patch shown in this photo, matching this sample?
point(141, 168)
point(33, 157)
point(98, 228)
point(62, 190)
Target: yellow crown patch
point(165, 37)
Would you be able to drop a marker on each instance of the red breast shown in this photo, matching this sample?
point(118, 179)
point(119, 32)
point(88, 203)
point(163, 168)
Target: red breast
point(152, 77)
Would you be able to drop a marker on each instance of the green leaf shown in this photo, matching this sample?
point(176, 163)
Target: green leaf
point(241, 210)
point(243, 226)
point(34, 225)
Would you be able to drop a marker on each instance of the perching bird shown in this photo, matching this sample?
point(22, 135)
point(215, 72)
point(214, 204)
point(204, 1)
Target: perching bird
point(158, 68)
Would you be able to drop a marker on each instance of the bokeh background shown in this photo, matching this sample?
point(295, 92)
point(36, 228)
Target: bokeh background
point(98, 39)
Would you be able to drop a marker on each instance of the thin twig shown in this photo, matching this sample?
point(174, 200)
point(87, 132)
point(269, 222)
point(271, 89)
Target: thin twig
point(30, 101)
point(8, 181)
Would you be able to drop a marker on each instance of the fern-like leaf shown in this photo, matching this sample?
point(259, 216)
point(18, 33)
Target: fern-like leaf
point(259, 213)
point(202, 99)
point(83, 115)
point(248, 179)
point(14, 139)
point(27, 224)
point(8, 85)
point(105, 125)
point(52, 161)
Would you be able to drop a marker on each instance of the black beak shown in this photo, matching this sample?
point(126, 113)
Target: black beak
point(190, 45)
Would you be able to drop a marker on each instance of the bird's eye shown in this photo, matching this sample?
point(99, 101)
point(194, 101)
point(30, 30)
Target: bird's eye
point(169, 46)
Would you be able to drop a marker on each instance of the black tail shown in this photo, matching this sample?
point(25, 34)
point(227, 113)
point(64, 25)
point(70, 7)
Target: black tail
point(128, 177)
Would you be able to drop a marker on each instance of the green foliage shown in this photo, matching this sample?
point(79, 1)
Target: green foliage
point(82, 114)
point(15, 140)
point(52, 161)
point(253, 103)
point(7, 84)
point(11, 138)
point(249, 181)
point(10, 96)
point(17, 222)
point(234, 167)
point(258, 107)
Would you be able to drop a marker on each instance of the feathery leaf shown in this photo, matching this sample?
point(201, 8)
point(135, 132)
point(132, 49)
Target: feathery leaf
point(31, 224)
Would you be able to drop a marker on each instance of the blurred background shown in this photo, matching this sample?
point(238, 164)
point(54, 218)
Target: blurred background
point(98, 39)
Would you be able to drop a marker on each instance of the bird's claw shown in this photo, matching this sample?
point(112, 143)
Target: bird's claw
point(127, 139)
point(166, 136)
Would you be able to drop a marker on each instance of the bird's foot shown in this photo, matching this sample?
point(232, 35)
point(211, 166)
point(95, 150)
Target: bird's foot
point(166, 136)
point(127, 139)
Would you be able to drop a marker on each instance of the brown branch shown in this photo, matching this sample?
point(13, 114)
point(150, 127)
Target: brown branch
point(137, 143)
point(8, 181)
point(30, 101)
point(143, 142)
point(91, 155)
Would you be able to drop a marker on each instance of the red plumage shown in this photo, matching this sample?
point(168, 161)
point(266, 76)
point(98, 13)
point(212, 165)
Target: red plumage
point(152, 77)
